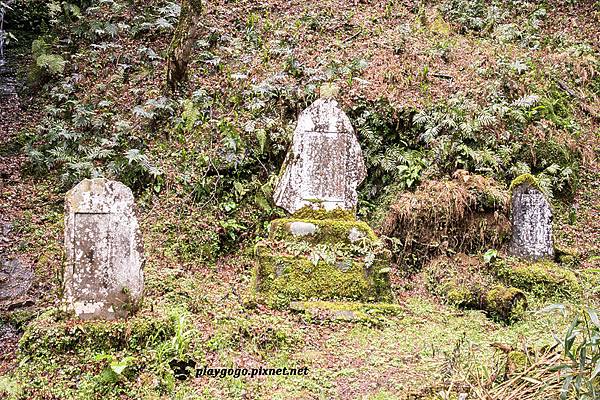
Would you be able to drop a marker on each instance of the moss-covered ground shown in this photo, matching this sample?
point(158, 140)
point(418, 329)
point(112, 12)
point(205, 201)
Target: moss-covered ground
point(431, 88)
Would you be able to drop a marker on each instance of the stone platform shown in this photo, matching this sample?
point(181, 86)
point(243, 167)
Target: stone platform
point(321, 259)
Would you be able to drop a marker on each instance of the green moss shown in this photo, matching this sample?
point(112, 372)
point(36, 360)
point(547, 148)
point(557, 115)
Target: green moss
point(347, 311)
point(506, 303)
point(567, 256)
point(51, 334)
point(525, 178)
point(328, 230)
point(590, 281)
point(281, 279)
point(516, 361)
point(457, 295)
point(310, 213)
point(464, 281)
point(499, 302)
point(18, 318)
point(542, 278)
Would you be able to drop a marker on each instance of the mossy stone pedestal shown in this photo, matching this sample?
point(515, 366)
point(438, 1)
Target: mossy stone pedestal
point(322, 256)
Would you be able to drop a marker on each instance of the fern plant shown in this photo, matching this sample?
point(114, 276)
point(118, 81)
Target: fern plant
point(80, 141)
point(47, 62)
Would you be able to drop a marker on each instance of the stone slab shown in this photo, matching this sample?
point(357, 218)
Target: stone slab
point(531, 219)
point(325, 164)
point(104, 270)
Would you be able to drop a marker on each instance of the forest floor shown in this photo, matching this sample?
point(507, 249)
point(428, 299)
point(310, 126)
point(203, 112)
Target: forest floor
point(428, 349)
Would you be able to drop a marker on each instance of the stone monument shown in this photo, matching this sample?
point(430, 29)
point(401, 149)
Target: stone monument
point(325, 164)
point(322, 252)
point(103, 277)
point(531, 218)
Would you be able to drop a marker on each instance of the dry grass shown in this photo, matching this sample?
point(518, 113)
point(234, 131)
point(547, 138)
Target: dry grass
point(464, 214)
point(461, 269)
point(537, 381)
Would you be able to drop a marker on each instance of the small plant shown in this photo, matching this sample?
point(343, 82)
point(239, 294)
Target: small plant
point(469, 15)
point(581, 349)
point(47, 62)
point(490, 256)
point(117, 368)
point(174, 359)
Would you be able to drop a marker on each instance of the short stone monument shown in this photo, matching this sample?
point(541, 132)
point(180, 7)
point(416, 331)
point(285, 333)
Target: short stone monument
point(103, 275)
point(322, 252)
point(325, 164)
point(531, 218)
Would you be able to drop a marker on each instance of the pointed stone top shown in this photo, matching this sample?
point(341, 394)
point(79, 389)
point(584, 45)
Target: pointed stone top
point(325, 164)
point(324, 115)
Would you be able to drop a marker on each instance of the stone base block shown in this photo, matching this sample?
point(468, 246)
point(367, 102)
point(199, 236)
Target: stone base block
point(347, 311)
point(280, 279)
point(51, 333)
point(321, 231)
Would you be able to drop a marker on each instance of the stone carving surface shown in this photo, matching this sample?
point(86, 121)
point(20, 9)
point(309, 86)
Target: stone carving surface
point(325, 164)
point(103, 274)
point(531, 219)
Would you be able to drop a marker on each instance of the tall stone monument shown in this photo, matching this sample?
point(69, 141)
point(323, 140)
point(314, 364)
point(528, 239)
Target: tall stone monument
point(325, 164)
point(531, 218)
point(103, 274)
point(322, 252)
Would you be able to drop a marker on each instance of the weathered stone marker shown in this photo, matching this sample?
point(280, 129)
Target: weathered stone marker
point(531, 219)
point(325, 165)
point(315, 253)
point(103, 273)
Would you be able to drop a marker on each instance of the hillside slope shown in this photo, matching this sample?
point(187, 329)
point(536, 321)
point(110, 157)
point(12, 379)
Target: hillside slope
point(437, 92)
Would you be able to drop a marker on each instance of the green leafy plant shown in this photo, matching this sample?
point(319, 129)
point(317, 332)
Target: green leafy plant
point(47, 62)
point(581, 349)
point(174, 357)
point(116, 368)
point(81, 140)
point(469, 15)
point(490, 256)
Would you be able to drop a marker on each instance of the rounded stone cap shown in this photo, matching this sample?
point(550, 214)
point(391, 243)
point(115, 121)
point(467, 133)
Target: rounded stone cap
point(99, 195)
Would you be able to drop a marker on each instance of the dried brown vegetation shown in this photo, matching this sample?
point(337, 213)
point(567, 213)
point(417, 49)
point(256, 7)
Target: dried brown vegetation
point(464, 214)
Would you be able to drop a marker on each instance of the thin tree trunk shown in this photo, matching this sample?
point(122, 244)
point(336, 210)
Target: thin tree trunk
point(183, 42)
